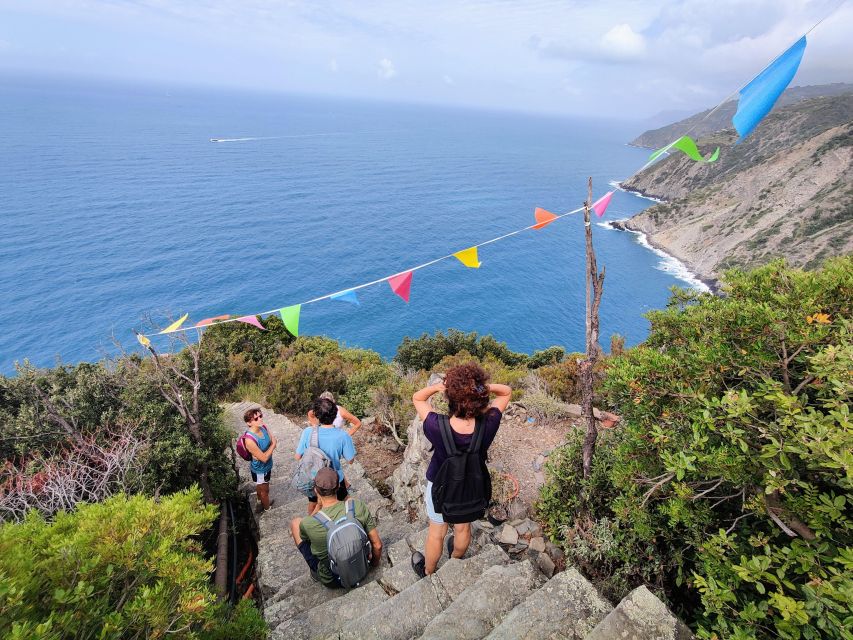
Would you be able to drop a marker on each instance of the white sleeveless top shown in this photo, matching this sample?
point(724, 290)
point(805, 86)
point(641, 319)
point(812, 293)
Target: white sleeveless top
point(339, 420)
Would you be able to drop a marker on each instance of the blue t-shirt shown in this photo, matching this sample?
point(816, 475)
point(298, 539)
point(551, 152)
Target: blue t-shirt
point(264, 442)
point(335, 443)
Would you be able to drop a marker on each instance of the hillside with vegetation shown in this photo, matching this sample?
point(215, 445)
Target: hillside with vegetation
point(786, 191)
point(725, 488)
point(708, 121)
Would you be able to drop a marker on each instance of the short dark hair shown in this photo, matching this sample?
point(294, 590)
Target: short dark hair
point(250, 414)
point(325, 410)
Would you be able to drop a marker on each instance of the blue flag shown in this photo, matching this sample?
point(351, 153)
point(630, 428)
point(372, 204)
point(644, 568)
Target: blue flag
point(758, 97)
point(346, 296)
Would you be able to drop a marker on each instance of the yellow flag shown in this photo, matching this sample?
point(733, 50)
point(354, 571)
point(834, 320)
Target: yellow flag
point(145, 342)
point(468, 257)
point(176, 324)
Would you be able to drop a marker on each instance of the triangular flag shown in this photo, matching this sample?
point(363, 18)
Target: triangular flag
point(207, 321)
point(468, 257)
point(687, 146)
point(543, 217)
point(600, 205)
point(176, 324)
point(347, 296)
point(290, 317)
point(401, 285)
point(758, 97)
point(144, 341)
point(252, 320)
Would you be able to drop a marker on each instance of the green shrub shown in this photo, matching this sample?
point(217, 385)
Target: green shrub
point(298, 380)
point(125, 568)
point(731, 473)
point(426, 352)
point(260, 347)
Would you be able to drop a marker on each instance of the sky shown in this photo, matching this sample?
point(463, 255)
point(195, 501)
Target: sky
point(623, 58)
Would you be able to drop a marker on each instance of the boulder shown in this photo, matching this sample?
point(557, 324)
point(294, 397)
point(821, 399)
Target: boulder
point(508, 535)
point(545, 564)
point(641, 616)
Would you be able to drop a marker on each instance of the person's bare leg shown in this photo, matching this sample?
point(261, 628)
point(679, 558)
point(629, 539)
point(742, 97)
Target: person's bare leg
point(263, 491)
point(461, 539)
point(433, 544)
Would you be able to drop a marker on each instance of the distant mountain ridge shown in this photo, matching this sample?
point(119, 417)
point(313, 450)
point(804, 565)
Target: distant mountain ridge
point(722, 118)
point(786, 191)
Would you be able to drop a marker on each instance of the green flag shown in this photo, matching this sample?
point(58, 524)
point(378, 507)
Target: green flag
point(290, 317)
point(686, 145)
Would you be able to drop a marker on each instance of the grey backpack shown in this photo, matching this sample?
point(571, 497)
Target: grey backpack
point(311, 462)
point(348, 544)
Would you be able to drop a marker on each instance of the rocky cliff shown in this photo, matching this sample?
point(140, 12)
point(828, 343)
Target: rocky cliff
point(787, 191)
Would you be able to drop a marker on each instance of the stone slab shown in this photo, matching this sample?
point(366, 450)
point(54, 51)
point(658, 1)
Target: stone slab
point(564, 608)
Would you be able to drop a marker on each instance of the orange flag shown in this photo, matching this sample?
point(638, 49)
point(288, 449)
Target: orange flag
point(207, 321)
point(543, 217)
point(401, 285)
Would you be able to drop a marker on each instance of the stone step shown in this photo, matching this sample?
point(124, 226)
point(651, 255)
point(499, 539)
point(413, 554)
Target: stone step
point(481, 606)
point(567, 607)
point(640, 616)
point(408, 613)
point(328, 618)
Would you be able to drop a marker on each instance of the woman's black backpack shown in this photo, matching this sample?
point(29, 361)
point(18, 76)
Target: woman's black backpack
point(462, 488)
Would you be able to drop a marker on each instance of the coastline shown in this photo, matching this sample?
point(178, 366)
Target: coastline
point(673, 264)
point(638, 192)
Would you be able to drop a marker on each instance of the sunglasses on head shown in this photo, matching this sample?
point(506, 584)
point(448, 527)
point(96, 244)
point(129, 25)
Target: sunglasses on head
point(258, 416)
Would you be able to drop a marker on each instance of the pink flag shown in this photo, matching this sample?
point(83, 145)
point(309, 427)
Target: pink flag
point(401, 285)
point(600, 205)
point(252, 320)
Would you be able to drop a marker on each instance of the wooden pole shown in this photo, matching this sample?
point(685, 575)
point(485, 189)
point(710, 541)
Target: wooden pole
point(594, 285)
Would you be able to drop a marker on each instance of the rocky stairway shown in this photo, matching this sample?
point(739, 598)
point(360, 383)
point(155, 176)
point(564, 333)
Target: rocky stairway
point(502, 589)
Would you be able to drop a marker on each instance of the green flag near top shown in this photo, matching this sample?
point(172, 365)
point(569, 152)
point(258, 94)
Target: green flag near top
point(687, 146)
point(290, 317)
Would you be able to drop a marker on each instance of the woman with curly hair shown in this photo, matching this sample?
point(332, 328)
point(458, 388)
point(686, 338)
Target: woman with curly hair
point(468, 392)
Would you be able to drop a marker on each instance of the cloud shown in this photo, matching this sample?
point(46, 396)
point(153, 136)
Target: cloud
point(333, 65)
point(386, 69)
point(623, 42)
point(448, 80)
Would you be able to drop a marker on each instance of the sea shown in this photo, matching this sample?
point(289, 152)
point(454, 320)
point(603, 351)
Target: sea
point(118, 211)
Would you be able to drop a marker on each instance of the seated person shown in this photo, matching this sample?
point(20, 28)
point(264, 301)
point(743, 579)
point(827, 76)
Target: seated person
point(309, 534)
point(335, 443)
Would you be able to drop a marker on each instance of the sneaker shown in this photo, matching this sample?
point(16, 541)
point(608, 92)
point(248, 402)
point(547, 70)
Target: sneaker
point(450, 546)
point(419, 564)
point(272, 502)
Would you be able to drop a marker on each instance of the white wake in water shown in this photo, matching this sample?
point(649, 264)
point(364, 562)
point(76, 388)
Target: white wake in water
point(668, 264)
point(618, 185)
point(298, 135)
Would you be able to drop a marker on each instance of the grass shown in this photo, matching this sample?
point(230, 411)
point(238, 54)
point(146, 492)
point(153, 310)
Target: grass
point(250, 392)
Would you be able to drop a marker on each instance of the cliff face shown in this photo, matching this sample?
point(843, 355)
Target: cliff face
point(722, 118)
point(787, 191)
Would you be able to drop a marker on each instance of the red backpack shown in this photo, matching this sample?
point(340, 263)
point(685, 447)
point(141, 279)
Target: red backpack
point(241, 446)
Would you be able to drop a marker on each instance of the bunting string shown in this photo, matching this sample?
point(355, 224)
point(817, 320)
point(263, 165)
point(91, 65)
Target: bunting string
point(757, 98)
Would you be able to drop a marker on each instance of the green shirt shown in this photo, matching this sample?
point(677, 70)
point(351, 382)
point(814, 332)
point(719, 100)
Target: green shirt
point(310, 529)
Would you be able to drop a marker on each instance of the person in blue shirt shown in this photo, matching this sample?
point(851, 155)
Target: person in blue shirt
point(335, 443)
point(261, 447)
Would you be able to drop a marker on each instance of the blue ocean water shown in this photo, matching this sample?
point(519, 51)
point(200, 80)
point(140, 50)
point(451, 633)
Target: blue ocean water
point(116, 204)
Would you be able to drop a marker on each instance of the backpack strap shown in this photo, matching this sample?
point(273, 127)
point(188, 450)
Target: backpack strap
point(479, 429)
point(251, 435)
point(326, 521)
point(350, 507)
point(315, 437)
point(446, 435)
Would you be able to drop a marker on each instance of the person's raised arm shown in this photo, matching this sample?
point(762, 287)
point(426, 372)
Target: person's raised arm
point(375, 547)
point(502, 395)
point(355, 422)
point(253, 448)
point(421, 399)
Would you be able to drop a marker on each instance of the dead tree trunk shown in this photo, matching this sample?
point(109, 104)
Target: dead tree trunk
point(594, 285)
point(169, 379)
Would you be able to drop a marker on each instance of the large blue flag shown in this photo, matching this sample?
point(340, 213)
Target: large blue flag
point(758, 97)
